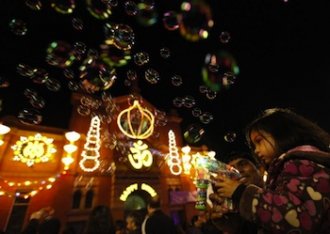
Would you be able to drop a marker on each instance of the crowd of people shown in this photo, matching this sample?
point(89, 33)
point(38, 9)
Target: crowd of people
point(43, 222)
point(294, 199)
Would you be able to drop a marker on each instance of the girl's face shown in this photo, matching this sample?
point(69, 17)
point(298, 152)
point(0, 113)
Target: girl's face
point(264, 146)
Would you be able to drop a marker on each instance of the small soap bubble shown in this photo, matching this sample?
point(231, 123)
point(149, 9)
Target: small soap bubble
point(165, 52)
point(189, 101)
point(176, 80)
point(141, 58)
point(131, 74)
point(224, 37)
point(230, 137)
point(53, 85)
point(29, 93)
point(37, 102)
point(131, 8)
point(18, 27)
point(29, 116)
point(77, 24)
point(170, 20)
point(193, 133)
point(206, 117)
point(196, 112)
point(211, 95)
point(178, 102)
point(152, 76)
point(35, 5)
point(73, 85)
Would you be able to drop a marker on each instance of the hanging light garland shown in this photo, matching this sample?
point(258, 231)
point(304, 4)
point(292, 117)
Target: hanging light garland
point(11, 188)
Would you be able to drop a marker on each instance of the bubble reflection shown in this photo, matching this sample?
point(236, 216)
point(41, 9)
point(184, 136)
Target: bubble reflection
point(18, 27)
point(152, 76)
point(193, 133)
point(230, 137)
point(35, 5)
point(29, 116)
point(170, 20)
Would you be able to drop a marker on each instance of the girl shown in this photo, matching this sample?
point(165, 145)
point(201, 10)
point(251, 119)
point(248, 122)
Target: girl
point(296, 196)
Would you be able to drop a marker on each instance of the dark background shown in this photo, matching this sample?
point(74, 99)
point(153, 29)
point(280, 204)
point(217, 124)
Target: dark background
point(282, 50)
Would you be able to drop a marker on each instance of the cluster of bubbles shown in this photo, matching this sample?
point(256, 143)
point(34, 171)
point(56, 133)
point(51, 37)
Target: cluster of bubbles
point(94, 70)
point(220, 70)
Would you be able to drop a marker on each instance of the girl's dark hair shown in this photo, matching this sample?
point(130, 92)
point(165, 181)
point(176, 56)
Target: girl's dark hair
point(289, 130)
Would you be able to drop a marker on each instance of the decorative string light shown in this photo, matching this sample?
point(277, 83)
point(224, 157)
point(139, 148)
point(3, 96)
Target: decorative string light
point(186, 160)
point(172, 158)
point(141, 115)
point(33, 186)
point(33, 149)
point(90, 156)
point(70, 148)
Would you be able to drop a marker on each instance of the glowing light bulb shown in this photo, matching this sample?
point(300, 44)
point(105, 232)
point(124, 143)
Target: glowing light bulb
point(72, 136)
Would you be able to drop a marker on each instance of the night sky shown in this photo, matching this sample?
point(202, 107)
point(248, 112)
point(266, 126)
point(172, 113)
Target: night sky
point(281, 48)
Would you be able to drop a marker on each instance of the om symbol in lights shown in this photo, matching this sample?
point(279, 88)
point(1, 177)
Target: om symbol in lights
point(140, 155)
point(33, 149)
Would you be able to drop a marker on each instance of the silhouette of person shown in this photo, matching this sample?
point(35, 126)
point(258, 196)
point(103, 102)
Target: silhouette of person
point(100, 221)
point(157, 221)
point(49, 224)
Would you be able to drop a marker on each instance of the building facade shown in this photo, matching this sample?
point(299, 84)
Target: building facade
point(128, 172)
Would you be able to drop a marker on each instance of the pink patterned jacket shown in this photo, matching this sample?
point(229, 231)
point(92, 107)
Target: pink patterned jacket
point(296, 198)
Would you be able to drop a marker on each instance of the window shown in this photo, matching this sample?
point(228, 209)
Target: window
point(89, 199)
point(18, 213)
point(76, 199)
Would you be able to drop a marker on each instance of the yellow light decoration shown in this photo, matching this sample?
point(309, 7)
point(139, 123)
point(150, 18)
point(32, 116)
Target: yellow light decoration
point(186, 160)
point(67, 160)
point(90, 156)
point(133, 187)
point(140, 155)
point(142, 119)
point(70, 148)
point(3, 130)
point(72, 136)
point(172, 158)
point(33, 149)
point(29, 185)
point(128, 191)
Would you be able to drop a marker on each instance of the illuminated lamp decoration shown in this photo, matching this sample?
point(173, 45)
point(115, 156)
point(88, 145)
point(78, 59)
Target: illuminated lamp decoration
point(136, 122)
point(70, 148)
point(140, 155)
point(172, 158)
point(90, 155)
point(3, 130)
point(133, 187)
point(33, 149)
point(186, 160)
